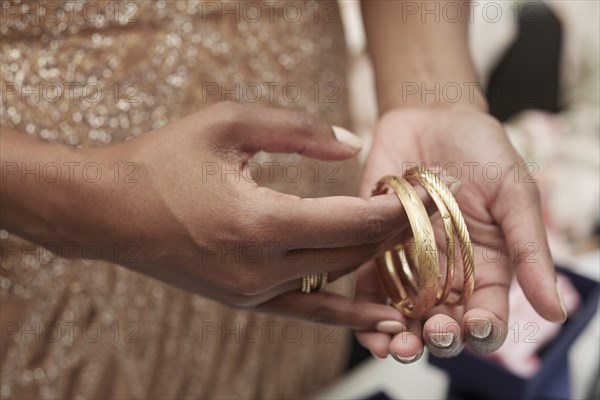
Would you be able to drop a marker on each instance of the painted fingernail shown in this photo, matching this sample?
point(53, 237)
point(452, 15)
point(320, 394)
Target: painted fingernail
point(390, 327)
point(480, 328)
point(407, 360)
point(455, 186)
point(441, 339)
point(348, 138)
point(561, 301)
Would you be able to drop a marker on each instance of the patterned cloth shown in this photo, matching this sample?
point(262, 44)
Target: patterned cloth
point(94, 74)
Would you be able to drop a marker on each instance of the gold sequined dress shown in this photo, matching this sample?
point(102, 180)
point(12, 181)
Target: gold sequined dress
point(96, 73)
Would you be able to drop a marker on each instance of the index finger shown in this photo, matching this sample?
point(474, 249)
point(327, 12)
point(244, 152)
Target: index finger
point(518, 211)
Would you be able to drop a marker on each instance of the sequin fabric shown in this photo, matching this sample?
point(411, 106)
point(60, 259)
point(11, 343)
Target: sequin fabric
point(97, 73)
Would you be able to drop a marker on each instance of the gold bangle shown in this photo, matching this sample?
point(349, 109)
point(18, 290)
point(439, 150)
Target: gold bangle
point(424, 298)
point(426, 182)
point(313, 282)
point(453, 223)
point(411, 278)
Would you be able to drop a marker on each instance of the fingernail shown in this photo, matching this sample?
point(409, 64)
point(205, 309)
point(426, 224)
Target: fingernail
point(561, 300)
point(347, 137)
point(391, 327)
point(441, 339)
point(407, 360)
point(455, 186)
point(480, 328)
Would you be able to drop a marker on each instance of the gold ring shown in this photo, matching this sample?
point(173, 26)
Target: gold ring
point(425, 253)
point(314, 282)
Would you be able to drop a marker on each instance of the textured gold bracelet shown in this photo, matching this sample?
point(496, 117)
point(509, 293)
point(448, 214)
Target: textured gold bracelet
point(416, 300)
point(410, 271)
point(449, 210)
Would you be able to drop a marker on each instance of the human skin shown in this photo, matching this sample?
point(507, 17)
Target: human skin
point(170, 226)
point(411, 51)
point(173, 216)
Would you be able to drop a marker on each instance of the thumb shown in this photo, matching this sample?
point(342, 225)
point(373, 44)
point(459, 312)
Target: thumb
point(284, 131)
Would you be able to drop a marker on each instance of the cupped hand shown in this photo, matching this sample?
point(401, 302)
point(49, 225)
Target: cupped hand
point(199, 221)
point(501, 206)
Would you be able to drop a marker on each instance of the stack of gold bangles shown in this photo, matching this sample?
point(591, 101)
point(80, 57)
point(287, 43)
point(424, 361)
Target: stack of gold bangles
point(411, 271)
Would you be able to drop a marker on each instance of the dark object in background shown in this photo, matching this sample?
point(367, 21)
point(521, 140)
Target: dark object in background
point(474, 377)
point(358, 354)
point(528, 75)
point(595, 391)
point(379, 396)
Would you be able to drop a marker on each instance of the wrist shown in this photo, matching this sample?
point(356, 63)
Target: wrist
point(429, 93)
point(65, 178)
point(56, 195)
point(31, 172)
point(108, 197)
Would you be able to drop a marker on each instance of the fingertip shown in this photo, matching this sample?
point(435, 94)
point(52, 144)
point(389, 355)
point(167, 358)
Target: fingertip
point(561, 303)
point(390, 327)
point(443, 336)
point(349, 139)
point(408, 360)
point(483, 330)
point(541, 289)
point(556, 313)
point(406, 347)
point(552, 309)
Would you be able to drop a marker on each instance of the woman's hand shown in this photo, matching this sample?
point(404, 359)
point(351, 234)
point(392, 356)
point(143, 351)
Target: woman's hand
point(184, 209)
point(500, 203)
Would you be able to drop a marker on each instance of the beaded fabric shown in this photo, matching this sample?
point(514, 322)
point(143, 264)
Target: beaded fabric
point(97, 73)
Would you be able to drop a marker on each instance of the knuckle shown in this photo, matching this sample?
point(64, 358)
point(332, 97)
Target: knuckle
point(249, 231)
point(258, 226)
point(267, 218)
point(228, 116)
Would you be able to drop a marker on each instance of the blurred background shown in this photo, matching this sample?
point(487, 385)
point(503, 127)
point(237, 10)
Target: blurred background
point(538, 63)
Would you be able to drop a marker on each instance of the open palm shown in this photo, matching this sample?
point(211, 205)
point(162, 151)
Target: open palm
point(500, 203)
